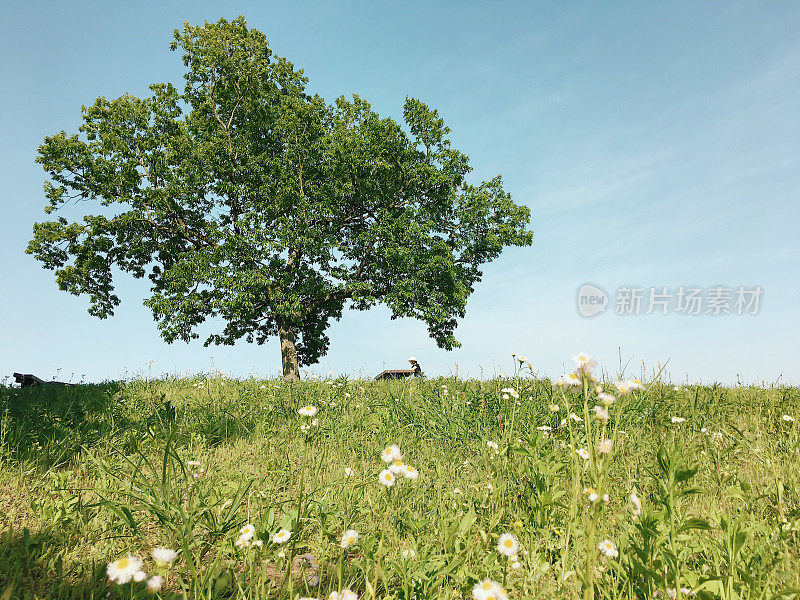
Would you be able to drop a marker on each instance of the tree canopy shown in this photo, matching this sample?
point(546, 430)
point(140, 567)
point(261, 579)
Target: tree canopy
point(246, 198)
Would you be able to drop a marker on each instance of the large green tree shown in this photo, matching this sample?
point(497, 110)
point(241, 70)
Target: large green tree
point(246, 198)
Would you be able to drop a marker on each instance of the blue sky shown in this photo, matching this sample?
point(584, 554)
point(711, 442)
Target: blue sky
point(657, 144)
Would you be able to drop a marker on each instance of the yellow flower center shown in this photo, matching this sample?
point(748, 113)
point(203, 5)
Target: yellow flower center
point(398, 463)
point(509, 543)
point(123, 563)
point(351, 539)
point(486, 585)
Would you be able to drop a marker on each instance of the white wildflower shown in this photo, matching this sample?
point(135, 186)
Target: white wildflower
point(508, 544)
point(584, 362)
point(387, 478)
point(391, 453)
point(164, 556)
point(606, 399)
point(488, 589)
point(623, 387)
point(248, 531)
point(601, 414)
point(410, 472)
point(123, 570)
point(155, 583)
point(282, 536)
point(608, 548)
point(349, 538)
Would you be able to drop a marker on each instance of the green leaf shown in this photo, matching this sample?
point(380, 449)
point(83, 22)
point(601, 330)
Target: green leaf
point(694, 523)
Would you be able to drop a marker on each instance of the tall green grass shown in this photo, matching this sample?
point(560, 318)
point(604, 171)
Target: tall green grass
point(96, 472)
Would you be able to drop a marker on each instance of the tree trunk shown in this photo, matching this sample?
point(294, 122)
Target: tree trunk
point(291, 371)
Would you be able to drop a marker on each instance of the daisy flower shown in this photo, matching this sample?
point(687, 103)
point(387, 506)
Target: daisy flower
point(247, 532)
point(492, 445)
point(605, 399)
point(677, 420)
point(408, 553)
point(387, 478)
point(635, 384)
point(608, 548)
point(554, 408)
point(282, 536)
point(192, 463)
point(508, 544)
point(139, 576)
point(410, 472)
point(788, 419)
point(511, 392)
point(345, 594)
point(391, 453)
point(349, 538)
point(584, 362)
point(155, 583)
point(572, 380)
point(488, 589)
point(583, 453)
point(348, 472)
point(123, 569)
point(164, 556)
point(397, 467)
point(308, 411)
point(604, 447)
point(242, 542)
point(623, 387)
point(601, 414)
point(576, 418)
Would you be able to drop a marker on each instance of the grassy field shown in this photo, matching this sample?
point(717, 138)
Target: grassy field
point(97, 473)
